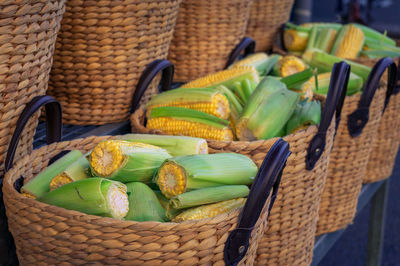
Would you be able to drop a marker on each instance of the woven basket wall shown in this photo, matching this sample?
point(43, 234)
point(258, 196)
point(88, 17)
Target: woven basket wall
point(266, 17)
point(47, 234)
point(290, 234)
point(28, 34)
point(347, 165)
point(205, 34)
point(101, 51)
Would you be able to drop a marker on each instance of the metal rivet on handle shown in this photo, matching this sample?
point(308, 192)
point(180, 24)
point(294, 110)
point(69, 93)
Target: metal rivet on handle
point(241, 249)
point(317, 150)
point(359, 122)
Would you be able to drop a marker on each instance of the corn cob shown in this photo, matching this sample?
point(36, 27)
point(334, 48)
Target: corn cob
point(206, 100)
point(242, 80)
point(97, 196)
point(265, 116)
point(295, 40)
point(261, 61)
point(289, 65)
point(305, 114)
point(126, 161)
point(236, 105)
point(209, 211)
point(179, 174)
point(324, 63)
point(188, 122)
point(296, 83)
point(78, 170)
point(325, 40)
point(175, 145)
point(348, 43)
point(209, 195)
point(143, 204)
point(354, 85)
point(40, 184)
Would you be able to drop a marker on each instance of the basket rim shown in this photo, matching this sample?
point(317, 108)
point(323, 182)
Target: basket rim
point(80, 216)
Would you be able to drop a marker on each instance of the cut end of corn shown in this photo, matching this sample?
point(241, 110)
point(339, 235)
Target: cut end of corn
point(289, 65)
point(209, 211)
point(171, 179)
point(242, 131)
point(202, 147)
point(118, 201)
point(224, 76)
point(59, 181)
point(175, 126)
point(294, 40)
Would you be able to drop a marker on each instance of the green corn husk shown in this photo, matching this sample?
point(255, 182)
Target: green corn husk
point(354, 85)
point(179, 174)
point(40, 184)
point(96, 196)
point(372, 35)
point(208, 195)
point(235, 104)
point(324, 63)
point(175, 145)
point(308, 26)
point(143, 204)
point(374, 54)
point(169, 212)
point(265, 117)
point(312, 38)
point(126, 161)
point(295, 80)
point(261, 61)
point(78, 170)
point(305, 114)
point(325, 39)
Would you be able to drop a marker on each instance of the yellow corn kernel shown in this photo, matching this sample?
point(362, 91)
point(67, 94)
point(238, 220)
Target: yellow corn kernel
point(59, 181)
point(351, 43)
point(289, 65)
point(171, 179)
point(28, 195)
point(211, 210)
point(247, 61)
point(219, 106)
point(174, 126)
point(223, 76)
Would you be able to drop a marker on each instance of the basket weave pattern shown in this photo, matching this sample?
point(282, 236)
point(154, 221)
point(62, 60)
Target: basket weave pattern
point(28, 34)
point(205, 34)
point(289, 237)
point(101, 51)
point(347, 166)
point(46, 234)
point(386, 144)
point(266, 17)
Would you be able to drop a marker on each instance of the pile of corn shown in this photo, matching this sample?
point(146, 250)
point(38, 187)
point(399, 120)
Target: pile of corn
point(146, 178)
point(349, 41)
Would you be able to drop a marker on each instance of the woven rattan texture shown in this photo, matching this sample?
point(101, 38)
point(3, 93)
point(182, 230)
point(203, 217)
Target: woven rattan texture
point(28, 33)
point(266, 18)
point(386, 144)
point(289, 238)
point(101, 51)
point(347, 165)
point(47, 234)
point(205, 34)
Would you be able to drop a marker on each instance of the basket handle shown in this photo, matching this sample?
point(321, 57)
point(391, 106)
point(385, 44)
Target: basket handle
point(334, 102)
point(53, 124)
point(148, 75)
point(282, 37)
point(247, 44)
point(397, 87)
point(267, 179)
point(359, 118)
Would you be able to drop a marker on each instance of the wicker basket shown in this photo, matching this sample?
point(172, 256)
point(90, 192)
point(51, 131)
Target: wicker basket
point(351, 150)
point(289, 238)
point(47, 234)
point(102, 49)
point(266, 18)
point(29, 30)
point(384, 150)
point(205, 34)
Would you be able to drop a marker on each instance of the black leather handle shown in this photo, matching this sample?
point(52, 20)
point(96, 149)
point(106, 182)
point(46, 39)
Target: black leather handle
point(359, 118)
point(247, 44)
point(148, 75)
point(397, 87)
point(53, 124)
point(267, 179)
point(282, 37)
point(334, 102)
